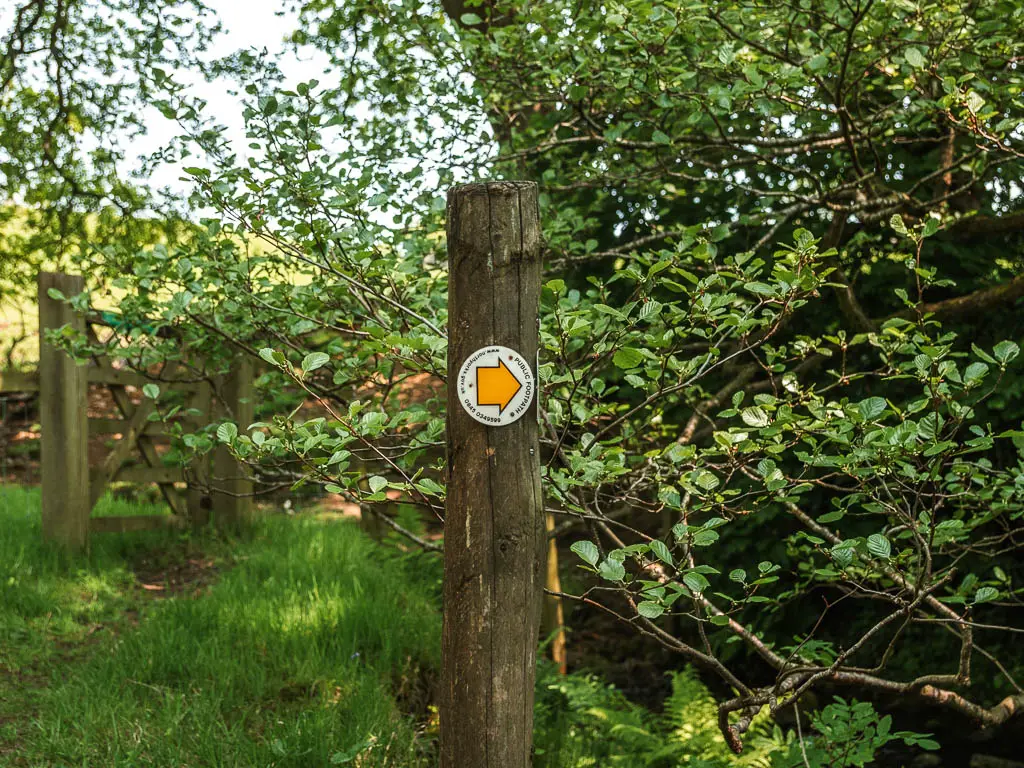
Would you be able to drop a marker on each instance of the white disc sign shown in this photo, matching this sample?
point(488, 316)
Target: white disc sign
point(496, 385)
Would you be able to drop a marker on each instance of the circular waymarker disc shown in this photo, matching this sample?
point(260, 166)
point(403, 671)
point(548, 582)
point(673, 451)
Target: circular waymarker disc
point(496, 385)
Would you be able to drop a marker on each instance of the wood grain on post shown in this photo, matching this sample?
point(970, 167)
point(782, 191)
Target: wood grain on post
point(232, 496)
point(494, 537)
point(63, 419)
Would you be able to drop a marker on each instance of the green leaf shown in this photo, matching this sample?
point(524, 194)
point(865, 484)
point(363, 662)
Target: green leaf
point(879, 546)
point(272, 357)
point(587, 551)
point(649, 609)
point(983, 354)
point(604, 309)
point(755, 416)
point(985, 594)
point(427, 485)
point(762, 289)
point(649, 310)
point(975, 372)
point(896, 222)
point(339, 455)
point(707, 480)
point(377, 483)
point(871, 408)
point(660, 138)
point(705, 538)
point(843, 554)
point(929, 426)
point(661, 551)
point(1006, 351)
point(696, 582)
point(151, 390)
point(227, 432)
point(612, 570)
point(314, 360)
point(628, 357)
point(719, 233)
point(914, 58)
point(470, 19)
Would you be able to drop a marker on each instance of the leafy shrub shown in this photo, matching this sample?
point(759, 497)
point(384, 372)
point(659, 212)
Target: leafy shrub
point(848, 735)
point(581, 721)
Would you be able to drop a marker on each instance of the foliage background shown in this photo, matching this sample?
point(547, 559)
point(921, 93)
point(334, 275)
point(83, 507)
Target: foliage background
point(780, 404)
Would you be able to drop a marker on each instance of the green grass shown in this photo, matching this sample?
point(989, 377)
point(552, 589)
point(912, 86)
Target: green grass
point(308, 647)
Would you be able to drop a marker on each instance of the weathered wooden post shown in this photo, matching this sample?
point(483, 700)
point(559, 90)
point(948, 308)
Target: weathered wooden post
point(552, 618)
point(494, 527)
point(232, 497)
point(63, 419)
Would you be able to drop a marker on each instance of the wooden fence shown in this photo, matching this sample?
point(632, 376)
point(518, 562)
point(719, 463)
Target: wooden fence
point(70, 487)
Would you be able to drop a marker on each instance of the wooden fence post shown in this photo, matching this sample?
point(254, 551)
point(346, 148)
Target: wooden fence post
point(63, 418)
point(197, 501)
point(553, 617)
point(494, 527)
point(232, 497)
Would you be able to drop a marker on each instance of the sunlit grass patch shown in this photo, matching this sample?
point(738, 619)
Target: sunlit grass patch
point(291, 658)
point(44, 590)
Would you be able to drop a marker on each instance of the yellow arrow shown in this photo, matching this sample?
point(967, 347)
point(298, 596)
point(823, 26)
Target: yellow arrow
point(496, 385)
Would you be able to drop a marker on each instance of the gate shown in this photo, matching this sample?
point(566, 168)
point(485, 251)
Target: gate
point(70, 487)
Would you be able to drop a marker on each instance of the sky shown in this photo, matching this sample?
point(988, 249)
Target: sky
point(246, 24)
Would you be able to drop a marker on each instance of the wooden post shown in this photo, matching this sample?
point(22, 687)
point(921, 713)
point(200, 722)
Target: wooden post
point(63, 418)
point(553, 617)
point(232, 497)
point(197, 500)
point(494, 527)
